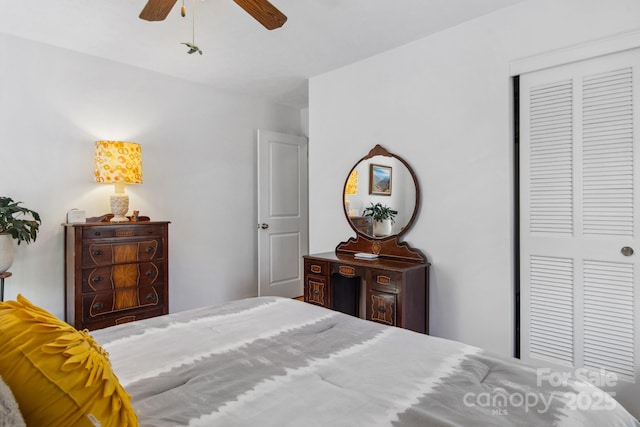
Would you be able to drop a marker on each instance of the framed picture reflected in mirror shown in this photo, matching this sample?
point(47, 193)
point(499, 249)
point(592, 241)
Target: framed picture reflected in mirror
point(380, 180)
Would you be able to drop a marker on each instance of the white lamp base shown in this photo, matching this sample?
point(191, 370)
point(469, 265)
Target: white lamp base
point(119, 207)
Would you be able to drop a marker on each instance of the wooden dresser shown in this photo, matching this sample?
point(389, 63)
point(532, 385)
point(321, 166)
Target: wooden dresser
point(115, 272)
point(389, 291)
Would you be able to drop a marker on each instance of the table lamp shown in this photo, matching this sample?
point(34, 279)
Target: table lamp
point(118, 163)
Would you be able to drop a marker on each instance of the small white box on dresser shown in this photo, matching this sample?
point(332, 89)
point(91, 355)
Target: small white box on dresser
point(75, 216)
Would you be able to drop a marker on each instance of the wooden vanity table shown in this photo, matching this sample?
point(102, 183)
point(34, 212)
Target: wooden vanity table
point(393, 288)
point(396, 292)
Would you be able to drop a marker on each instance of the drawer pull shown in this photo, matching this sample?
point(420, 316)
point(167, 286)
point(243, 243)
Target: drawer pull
point(382, 309)
point(98, 306)
point(149, 273)
point(316, 292)
point(97, 279)
point(150, 249)
point(97, 233)
point(151, 297)
point(383, 280)
point(97, 253)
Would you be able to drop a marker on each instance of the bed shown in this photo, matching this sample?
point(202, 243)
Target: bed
point(279, 362)
point(275, 362)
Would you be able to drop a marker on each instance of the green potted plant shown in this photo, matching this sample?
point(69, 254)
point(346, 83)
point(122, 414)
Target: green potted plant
point(16, 222)
point(383, 217)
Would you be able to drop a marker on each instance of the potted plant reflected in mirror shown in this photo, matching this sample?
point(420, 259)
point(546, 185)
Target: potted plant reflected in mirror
point(16, 223)
point(383, 218)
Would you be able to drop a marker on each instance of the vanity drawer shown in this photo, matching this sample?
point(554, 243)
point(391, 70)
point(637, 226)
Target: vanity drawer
point(312, 266)
point(382, 307)
point(385, 280)
point(348, 270)
point(316, 291)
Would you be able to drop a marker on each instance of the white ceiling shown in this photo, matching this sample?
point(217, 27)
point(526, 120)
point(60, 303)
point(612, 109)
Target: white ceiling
point(239, 54)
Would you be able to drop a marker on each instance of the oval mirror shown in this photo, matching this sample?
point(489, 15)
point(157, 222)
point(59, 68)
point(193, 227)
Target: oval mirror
point(381, 185)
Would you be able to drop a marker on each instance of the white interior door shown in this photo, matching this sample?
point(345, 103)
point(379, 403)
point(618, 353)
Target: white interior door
point(283, 230)
point(578, 185)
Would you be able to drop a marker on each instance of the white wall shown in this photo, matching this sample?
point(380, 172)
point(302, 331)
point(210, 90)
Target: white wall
point(199, 161)
point(443, 103)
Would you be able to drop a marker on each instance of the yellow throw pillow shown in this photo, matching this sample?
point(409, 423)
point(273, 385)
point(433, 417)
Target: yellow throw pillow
point(58, 375)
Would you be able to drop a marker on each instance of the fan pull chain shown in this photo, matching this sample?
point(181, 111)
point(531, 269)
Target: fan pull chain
point(183, 10)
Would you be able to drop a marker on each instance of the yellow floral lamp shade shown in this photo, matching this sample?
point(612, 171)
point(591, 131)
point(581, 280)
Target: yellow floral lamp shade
point(118, 162)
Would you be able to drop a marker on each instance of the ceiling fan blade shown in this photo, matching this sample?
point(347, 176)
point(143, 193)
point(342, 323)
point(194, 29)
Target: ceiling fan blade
point(157, 10)
point(264, 12)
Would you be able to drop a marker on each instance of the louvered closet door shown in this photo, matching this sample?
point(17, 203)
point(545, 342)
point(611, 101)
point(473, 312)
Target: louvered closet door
point(579, 208)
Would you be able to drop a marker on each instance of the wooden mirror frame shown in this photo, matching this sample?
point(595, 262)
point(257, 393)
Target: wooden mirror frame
point(388, 246)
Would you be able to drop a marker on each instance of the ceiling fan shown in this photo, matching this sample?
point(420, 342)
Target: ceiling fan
point(263, 11)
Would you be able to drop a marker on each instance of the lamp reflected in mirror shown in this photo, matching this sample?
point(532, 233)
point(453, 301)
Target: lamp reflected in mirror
point(351, 189)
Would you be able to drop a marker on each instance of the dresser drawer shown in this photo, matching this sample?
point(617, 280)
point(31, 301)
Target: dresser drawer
point(113, 277)
point(382, 307)
point(115, 231)
point(110, 252)
point(100, 304)
point(387, 281)
point(318, 268)
point(120, 318)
